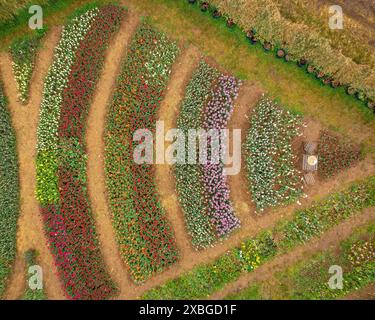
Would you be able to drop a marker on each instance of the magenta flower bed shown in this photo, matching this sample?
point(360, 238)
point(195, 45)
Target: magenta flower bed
point(216, 116)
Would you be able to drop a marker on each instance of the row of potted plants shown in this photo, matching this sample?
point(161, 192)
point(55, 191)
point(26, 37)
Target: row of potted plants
point(9, 192)
point(268, 35)
point(69, 222)
point(144, 234)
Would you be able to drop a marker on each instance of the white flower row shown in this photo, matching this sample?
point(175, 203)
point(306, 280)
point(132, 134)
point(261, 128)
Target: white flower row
point(57, 78)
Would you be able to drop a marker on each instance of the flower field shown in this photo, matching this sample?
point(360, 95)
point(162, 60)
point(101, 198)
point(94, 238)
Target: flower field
point(202, 189)
point(146, 240)
point(335, 155)
point(270, 160)
point(65, 207)
point(166, 151)
point(206, 279)
point(9, 193)
point(23, 51)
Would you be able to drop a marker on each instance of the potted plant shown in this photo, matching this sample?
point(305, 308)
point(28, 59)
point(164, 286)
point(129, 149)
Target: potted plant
point(230, 22)
point(205, 6)
point(280, 53)
point(361, 96)
point(310, 69)
point(320, 74)
point(350, 90)
point(371, 105)
point(267, 46)
point(216, 14)
point(327, 80)
point(302, 62)
point(335, 84)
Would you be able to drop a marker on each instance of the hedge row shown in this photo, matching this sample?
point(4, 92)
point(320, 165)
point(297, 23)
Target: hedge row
point(9, 192)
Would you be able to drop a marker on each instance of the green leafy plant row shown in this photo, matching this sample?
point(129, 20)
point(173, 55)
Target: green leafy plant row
point(205, 279)
point(309, 279)
point(9, 192)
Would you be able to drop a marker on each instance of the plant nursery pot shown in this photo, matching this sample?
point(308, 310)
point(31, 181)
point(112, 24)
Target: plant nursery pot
point(250, 34)
point(267, 46)
point(351, 91)
point(302, 62)
point(361, 96)
point(287, 58)
point(216, 14)
point(371, 105)
point(310, 69)
point(204, 6)
point(280, 53)
point(230, 23)
point(254, 40)
point(335, 84)
point(327, 81)
point(320, 75)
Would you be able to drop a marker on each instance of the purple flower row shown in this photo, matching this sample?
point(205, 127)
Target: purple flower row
point(216, 116)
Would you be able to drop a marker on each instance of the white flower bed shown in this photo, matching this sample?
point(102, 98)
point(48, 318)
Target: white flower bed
point(270, 161)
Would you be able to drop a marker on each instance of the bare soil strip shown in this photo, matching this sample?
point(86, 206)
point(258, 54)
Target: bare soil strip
point(169, 110)
point(248, 97)
point(329, 240)
point(96, 123)
point(30, 233)
point(367, 293)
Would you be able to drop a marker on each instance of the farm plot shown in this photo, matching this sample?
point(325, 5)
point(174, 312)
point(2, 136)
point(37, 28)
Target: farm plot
point(9, 193)
point(206, 279)
point(270, 161)
point(145, 237)
point(61, 159)
point(202, 188)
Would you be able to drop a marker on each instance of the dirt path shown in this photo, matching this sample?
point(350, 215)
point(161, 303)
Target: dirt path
point(367, 293)
point(30, 233)
point(329, 240)
point(165, 182)
point(248, 97)
point(95, 149)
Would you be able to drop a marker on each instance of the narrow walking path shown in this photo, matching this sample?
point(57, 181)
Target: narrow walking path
point(96, 123)
point(328, 240)
point(165, 181)
point(30, 233)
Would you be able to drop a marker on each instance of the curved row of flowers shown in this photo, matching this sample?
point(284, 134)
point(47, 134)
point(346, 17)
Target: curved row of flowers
point(9, 193)
point(61, 162)
point(202, 189)
point(23, 52)
point(145, 237)
point(270, 159)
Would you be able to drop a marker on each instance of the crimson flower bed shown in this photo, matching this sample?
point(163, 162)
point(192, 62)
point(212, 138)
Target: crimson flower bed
point(335, 154)
point(145, 237)
point(69, 223)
